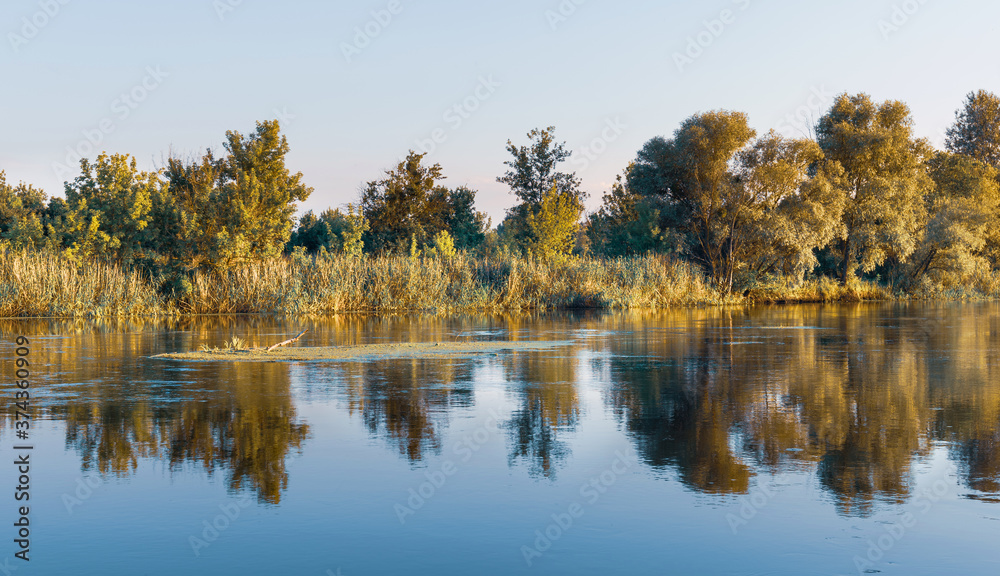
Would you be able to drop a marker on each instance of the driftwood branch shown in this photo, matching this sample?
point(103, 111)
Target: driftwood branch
point(286, 342)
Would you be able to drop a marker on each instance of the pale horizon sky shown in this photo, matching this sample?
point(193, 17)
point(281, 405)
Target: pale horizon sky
point(605, 74)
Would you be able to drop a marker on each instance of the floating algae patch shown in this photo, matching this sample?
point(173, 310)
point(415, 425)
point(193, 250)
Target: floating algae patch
point(365, 352)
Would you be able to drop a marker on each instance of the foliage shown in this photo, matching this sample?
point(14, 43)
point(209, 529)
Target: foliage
point(886, 178)
point(532, 172)
point(976, 132)
point(22, 215)
point(964, 209)
point(407, 203)
point(552, 227)
point(110, 206)
point(236, 208)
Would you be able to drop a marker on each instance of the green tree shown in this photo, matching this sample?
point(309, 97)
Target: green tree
point(532, 175)
point(259, 194)
point(466, 225)
point(533, 170)
point(886, 178)
point(629, 223)
point(333, 231)
point(553, 226)
point(407, 203)
point(964, 209)
point(110, 204)
point(792, 205)
point(22, 215)
point(238, 207)
point(693, 174)
point(976, 132)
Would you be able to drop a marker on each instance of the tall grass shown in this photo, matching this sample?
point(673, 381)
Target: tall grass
point(47, 285)
point(388, 284)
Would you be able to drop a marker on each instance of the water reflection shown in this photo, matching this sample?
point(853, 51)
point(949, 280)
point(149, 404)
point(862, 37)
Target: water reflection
point(857, 395)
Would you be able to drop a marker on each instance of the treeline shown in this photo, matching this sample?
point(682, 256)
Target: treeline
point(865, 198)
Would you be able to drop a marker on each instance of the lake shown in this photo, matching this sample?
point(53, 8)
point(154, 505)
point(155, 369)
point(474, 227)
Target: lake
point(802, 440)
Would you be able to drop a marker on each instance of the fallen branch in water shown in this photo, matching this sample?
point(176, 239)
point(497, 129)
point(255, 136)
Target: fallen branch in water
point(286, 342)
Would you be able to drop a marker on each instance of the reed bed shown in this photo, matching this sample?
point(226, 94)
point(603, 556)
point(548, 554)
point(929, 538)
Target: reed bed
point(47, 285)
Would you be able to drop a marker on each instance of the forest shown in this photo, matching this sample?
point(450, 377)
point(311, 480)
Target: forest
point(716, 213)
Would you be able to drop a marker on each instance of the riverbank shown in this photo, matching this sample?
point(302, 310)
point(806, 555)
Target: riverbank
point(50, 286)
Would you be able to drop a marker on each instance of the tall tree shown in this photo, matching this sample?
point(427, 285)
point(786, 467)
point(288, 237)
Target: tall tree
point(886, 178)
point(532, 176)
point(234, 208)
point(110, 203)
point(533, 170)
point(961, 234)
point(976, 132)
point(466, 225)
point(22, 214)
point(693, 173)
point(407, 204)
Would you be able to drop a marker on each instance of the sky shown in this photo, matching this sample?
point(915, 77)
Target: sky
point(357, 84)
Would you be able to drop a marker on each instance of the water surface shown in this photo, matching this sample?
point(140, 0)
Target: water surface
point(783, 440)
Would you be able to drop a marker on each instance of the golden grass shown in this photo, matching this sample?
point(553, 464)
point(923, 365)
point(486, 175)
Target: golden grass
point(44, 285)
point(47, 285)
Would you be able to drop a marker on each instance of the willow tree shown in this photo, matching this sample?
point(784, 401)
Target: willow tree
point(792, 205)
point(964, 209)
point(886, 178)
point(976, 132)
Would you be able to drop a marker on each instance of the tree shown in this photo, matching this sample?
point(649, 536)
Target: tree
point(333, 231)
point(532, 176)
point(239, 207)
point(466, 225)
point(976, 132)
point(886, 179)
point(22, 215)
point(792, 205)
point(963, 209)
point(629, 223)
point(110, 204)
point(553, 226)
point(408, 203)
point(532, 172)
point(692, 173)
point(259, 194)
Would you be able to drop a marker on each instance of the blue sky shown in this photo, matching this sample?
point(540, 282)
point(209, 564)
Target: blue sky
point(155, 78)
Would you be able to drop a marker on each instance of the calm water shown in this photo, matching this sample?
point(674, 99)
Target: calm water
point(801, 440)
